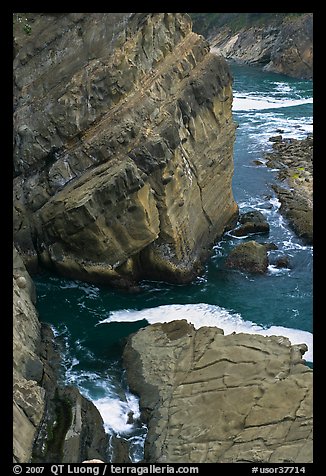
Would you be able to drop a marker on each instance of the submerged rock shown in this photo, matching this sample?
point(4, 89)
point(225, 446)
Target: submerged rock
point(282, 262)
point(210, 398)
point(276, 138)
point(123, 156)
point(250, 256)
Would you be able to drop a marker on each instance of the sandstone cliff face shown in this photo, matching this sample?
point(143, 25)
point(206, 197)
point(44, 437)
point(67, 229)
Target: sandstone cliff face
point(50, 423)
point(214, 398)
point(286, 48)
point(123, 146)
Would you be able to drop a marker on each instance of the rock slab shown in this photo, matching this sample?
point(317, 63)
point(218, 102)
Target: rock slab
point(211, 398)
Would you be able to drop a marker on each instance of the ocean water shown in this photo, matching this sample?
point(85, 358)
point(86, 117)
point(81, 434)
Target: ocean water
point(91, 323)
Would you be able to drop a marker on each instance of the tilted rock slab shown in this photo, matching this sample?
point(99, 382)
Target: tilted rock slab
point(214, 398)
point(123, 146)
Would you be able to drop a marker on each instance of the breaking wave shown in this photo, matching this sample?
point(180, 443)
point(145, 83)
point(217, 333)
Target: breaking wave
point(210, 315)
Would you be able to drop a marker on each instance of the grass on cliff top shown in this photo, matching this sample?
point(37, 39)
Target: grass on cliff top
point(203, 23)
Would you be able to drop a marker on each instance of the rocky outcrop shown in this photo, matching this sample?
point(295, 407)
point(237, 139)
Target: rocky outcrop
point(85, 438)
point(250, 223)
point(250, 256)
point(292, 53)
point(123, 146)
point(211, 398)
point(50, 423)
point(285, 47)
point(294, 160)
point(120, 450)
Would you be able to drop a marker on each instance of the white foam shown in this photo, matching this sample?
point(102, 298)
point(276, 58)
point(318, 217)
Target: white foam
point(112, 401)
point(272, 269)
point(210, 315)
point(282, 87)
point(90, 290)
point(256, 103)
point(289, 245)
point(275, 202)
point(115, 414)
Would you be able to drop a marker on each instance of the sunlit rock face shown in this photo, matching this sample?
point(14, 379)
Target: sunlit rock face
point(214, 398)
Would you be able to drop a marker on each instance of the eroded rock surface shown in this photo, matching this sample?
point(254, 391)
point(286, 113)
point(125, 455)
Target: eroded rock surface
point(123, 146)
point(214, 398)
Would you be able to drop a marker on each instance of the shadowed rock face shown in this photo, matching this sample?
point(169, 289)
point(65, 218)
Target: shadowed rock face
point(28, 395)
point(51, 424)
point(210, 398)
point(123, 146)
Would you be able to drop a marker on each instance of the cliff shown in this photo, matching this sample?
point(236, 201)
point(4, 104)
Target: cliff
point(123, 146)
point(51, 423)
point(210, 398)
point(279, 42)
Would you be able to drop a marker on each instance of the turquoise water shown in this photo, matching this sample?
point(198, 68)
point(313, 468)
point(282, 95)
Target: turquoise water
point(91, 323)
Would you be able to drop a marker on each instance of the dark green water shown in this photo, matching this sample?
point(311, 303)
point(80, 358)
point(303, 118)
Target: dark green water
point(279, 302)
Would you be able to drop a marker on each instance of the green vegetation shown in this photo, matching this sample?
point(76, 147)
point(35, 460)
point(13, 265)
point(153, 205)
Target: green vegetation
point(20, 19)
point(27, 29)
point(55, 431)
point(203, 23)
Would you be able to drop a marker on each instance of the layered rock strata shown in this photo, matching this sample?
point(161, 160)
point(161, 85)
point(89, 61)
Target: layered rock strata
point(212, 398)
point(294, 160)
point(286, 48)
point(50, 423)
point(123, 146)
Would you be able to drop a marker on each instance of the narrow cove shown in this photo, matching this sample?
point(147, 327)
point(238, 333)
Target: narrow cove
point(91, 323)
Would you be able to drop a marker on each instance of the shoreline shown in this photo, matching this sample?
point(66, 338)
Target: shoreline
point(294, 160)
